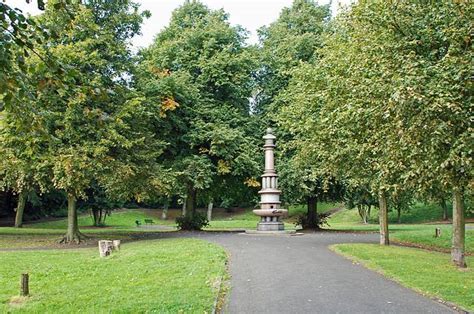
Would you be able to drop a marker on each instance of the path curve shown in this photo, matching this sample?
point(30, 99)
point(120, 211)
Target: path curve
point(299, 274)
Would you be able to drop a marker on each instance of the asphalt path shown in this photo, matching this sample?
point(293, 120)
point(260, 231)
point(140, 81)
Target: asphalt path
point(299, 274)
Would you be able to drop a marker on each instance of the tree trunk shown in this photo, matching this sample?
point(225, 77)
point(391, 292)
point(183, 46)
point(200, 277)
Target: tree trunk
point(191, 201)
point(312, 214)
point(164, 214)
point(183, 209)
point(459, 231)
point(444, 207)
point(365, 210)
point(383, 219)
point(95, 215)
point(369, 208)
point(72, 234)
point(399, 215)
point(20, 209)
point(210, 206)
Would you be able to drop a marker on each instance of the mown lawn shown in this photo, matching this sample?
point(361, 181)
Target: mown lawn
point(248, 220)
point(411, 234)
point(124, 219)
point(163, 276)
point(120, 226)
point(430, 273)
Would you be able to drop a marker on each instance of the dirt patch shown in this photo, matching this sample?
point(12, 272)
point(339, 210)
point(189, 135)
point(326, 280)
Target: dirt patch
point(18, 301)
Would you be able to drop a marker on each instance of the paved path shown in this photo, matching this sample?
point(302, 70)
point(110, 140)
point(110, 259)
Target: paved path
point(299, 274)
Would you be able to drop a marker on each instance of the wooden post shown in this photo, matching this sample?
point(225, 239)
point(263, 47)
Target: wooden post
point(25, 289)
point(437, 232)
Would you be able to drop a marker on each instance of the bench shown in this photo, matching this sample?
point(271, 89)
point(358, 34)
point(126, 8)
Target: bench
point(138, 223)
point(149, 221)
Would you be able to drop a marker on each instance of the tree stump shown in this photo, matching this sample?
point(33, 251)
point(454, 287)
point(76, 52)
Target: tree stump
point(116, 245)
point(105, 247)
point(437, 232)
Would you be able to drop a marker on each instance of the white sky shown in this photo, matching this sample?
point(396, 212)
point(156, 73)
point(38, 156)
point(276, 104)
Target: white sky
point(251, 14)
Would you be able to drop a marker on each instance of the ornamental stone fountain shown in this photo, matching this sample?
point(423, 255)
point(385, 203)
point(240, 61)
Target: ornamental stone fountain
point(270, 212)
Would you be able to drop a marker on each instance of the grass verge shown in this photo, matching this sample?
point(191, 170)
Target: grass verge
point(421, 235)
point(165, 276)
point(430, 273)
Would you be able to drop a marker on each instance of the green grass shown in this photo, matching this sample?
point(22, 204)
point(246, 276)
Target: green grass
point(248, 220)
point(165, 276)
point(430, 273)
point(117, 220)
point(412, 234)
point(120, 225)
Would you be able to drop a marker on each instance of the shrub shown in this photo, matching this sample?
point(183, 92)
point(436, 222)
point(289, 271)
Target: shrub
point(195, 221)
point(322, 220)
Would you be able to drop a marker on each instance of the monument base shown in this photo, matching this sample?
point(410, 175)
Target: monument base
point(271, 226)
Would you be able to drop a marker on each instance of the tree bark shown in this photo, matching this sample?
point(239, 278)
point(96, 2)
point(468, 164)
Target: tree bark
point(312, 213)
point(399, 215)
point(383, 219)
point(95, 215)
point(72, 234)
point(210, 206)
point(444, 207)
point(183, 209)
point(20, 209)
point(164, 214)
point(191, 201)
point(459, 231)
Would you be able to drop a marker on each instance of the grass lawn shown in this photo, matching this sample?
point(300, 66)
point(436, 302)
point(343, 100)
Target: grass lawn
point(411, 234)
point(120, 225)
point(123, 219)
point(430, 273)
point(165, 276)
point(248, 220)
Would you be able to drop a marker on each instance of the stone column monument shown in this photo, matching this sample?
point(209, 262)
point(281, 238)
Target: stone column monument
point(270, 212)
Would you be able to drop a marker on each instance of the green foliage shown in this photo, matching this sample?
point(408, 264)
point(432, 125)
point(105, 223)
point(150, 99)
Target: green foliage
point(320, 221)
point(193, 221)
point(197, 73)
point(290, 40)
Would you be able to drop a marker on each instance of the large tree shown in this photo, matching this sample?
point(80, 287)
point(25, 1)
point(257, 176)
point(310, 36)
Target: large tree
point(392, 102)
point(92, 118)
point(200, 68)
point(293, 39)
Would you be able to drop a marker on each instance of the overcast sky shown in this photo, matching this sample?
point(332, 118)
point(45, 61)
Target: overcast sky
point(251, 14)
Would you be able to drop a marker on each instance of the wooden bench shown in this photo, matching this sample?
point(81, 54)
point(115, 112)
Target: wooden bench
point(149, 221)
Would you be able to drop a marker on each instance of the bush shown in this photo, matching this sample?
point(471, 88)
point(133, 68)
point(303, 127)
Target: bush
point(322, 220)
point(194, 221)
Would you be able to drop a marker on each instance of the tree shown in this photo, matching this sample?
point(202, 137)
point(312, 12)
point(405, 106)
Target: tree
point(392, 102)
point(22, 166)
point(288, 42)
point(293, 38)
point(201, 68)
point(89, 116)
point(361, 198)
